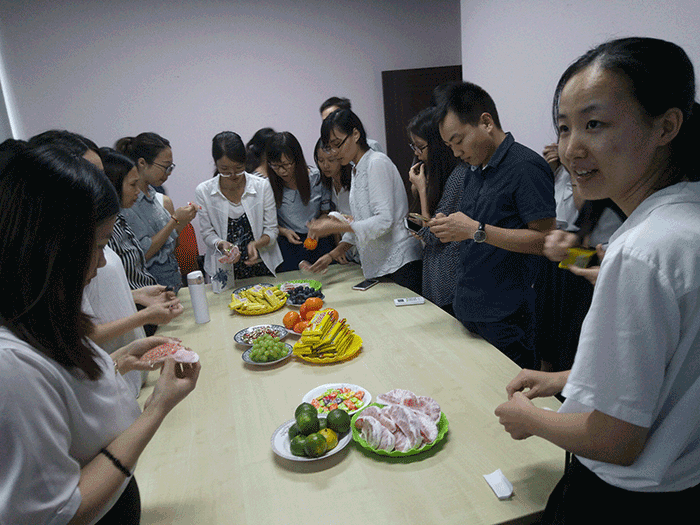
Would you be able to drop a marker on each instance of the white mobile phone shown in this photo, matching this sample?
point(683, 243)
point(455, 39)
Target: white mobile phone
point(365, 285)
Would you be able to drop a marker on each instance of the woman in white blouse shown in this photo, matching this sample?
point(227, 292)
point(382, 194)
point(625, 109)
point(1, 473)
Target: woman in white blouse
point(379, 205)
point(238, 210)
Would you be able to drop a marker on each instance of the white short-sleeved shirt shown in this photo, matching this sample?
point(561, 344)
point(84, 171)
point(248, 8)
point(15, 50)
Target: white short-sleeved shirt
point(109, 298)
point(638, 357)
point(379, 204)
point(52, 423)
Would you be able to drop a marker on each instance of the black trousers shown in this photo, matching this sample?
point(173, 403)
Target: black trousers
point(581, 497)
point(127, 509)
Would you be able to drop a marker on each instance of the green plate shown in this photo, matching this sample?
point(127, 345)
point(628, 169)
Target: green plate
point(315, 285)
point(442, 425)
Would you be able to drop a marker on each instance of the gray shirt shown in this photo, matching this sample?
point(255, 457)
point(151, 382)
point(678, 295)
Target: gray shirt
point(294, 214)
point(146, 218)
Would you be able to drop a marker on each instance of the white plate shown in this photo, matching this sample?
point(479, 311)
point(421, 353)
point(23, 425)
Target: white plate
point(312, 394)
point(279, 329)
point(246, 357)
point(280, 443)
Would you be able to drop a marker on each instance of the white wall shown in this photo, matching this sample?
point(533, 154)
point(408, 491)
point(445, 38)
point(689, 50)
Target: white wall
point(189, 69)
point(518, 49)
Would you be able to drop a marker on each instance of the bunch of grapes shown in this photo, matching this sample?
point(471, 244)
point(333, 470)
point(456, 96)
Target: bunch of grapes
point(267, 348)
point(301, 293)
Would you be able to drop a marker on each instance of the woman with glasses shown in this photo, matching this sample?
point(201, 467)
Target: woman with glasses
point(437, 180)
point(300, 198)
point(238, 213)
point(378, 203)
point(336, 178)
point(153, 218)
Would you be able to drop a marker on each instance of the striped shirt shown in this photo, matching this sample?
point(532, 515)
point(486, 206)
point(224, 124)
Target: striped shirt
point(124, 243)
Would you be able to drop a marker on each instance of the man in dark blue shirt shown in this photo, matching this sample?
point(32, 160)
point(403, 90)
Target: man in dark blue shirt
point(506, 209)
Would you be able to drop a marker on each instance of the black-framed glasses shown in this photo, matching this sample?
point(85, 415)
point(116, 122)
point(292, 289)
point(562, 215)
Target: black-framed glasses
point(330, 148)
point(417, 149)
point(282, 165)
point(167, 169)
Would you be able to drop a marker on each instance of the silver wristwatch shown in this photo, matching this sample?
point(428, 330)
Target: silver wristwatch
point(480, 233)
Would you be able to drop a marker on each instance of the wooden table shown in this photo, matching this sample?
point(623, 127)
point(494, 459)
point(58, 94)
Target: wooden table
point(211, 462)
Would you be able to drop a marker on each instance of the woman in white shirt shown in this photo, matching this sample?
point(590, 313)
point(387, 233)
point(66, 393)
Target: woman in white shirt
point(379, 205)
point(629, 128)
point(72, 431)
point(238, 210)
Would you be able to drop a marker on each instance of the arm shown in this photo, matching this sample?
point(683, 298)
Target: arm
point(459, 227)
point(159, 313)
point(206, 228)
point(593, 435)
point(99, 479)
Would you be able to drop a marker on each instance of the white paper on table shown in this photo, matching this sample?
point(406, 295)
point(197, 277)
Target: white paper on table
point(499, 484)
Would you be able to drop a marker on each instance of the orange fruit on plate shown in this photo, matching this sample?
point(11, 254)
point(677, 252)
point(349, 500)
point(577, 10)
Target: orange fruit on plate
point(290, 319)
point(300, 326)
point(303, 309)
point(313, 303)
point(310, 244)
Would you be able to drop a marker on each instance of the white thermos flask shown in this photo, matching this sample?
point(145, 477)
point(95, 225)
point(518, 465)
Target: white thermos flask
point(195, 283)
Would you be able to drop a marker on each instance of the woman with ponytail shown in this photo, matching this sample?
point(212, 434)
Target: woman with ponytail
point(153, 218)
point(628, 127)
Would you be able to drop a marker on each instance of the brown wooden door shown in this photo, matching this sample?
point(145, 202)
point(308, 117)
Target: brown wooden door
point(406, 92)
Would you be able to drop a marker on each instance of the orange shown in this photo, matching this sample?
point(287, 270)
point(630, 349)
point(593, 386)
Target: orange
point(310, 314)
point(290, 319)
point(313, 303)
point(300, 326)
point(303, 309)
point(310, 244)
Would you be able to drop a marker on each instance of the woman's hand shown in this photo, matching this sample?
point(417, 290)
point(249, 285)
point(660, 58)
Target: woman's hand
point(184, 215)
point(514, 416)
point(551, 155)
point(176, 381)
point(557, 244)
point(321, 263)
point(128, 357)
point(163, 313)
point(231, 253)
point(533, 383)
point(253, 255)
point(148, 295)
point(417, 177)
point(590, 274)
point(290, 235)
point(325, 226)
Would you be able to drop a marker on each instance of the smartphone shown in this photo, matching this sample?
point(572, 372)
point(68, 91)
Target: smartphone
point(411, 225)
point(365, 285)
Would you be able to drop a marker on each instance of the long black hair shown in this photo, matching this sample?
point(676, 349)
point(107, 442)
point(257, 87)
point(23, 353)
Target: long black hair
point(346, 121)
point(660, 76)
point(51, 202)
point(285, 143)
point(117, 167)
point(440, 162)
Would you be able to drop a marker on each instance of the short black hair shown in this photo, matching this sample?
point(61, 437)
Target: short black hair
point(338, 102)
point(468, 101)
point(228, 144)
